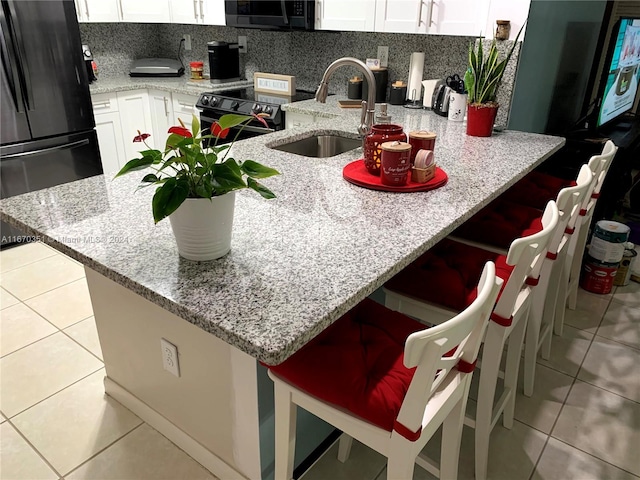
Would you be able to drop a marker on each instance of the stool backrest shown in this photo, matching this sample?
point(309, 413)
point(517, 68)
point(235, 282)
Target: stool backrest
point(526, 255)
point(426, 348)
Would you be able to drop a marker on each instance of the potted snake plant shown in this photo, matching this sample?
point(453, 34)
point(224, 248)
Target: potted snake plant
point(482, 80)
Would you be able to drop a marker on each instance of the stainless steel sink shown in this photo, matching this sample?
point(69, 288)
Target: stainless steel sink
point(320, 146)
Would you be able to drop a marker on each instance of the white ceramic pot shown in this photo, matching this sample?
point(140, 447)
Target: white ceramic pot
point(202, 227)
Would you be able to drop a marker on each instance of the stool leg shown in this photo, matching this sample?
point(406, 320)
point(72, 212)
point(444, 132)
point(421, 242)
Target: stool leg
point(344, 447)
point(491, 356)
point(285, 418)
point(514, 349)
point(534, 324)
point(561, 302)
point(451, 438)
point(402, 459)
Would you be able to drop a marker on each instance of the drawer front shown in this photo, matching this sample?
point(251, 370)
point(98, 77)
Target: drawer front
point(184, 107)
point(104, 103)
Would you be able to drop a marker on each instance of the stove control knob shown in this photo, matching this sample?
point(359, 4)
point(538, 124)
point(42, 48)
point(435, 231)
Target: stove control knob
point(213, 101)
point(268, 109)
point(205, 100)
point(235, 105)
point(256, 108)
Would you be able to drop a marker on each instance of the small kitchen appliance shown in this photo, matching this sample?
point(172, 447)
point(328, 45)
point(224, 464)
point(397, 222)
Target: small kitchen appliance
point(156, 67)
point(224, 62)
point(213, 105)
point(440, 99)
point(270, 15)
point(89, 63)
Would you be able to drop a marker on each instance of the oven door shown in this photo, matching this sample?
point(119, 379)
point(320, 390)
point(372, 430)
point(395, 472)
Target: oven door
point(249, 131)
point(270, 14)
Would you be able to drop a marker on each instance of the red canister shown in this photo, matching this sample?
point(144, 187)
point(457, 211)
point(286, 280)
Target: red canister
point(395, 163)
point(381, 133)
point(421, 140)
point(597, 277)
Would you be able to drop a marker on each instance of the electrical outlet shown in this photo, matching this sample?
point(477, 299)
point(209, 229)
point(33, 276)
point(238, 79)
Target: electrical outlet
point(170, 357)
point(383, 56)
point(242, 44)
point(187, 41)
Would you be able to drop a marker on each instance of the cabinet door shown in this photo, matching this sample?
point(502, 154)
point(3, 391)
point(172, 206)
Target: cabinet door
point(145, 11)
point(402, 16)
point(110, 141)
point(135, 115)
point(184, 107)
point(516, 11)
point(212, 12)
point(100, 10)
point(457, 17)
point(185, 11)
point(351, 15)
point(161, 117)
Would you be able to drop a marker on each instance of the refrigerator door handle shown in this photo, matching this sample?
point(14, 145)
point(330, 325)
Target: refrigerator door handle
point(17, 41)
point(77, 143)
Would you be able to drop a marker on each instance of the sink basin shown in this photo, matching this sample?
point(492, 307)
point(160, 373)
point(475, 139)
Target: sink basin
point(320, 146)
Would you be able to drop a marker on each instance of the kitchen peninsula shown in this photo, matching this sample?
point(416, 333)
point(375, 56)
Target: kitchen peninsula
point(297, 263)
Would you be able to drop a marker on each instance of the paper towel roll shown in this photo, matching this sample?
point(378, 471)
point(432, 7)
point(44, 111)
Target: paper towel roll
point(416, 69)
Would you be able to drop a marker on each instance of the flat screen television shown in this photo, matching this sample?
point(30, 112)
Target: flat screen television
point(619, 83)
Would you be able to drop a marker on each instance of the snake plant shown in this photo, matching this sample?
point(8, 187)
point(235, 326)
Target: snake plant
point(484, 74)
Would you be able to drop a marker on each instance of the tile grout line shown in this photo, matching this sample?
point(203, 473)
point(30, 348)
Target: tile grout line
point(55, 393)
point(8, 420)
point(142, 422)
point(48, 291)
point(573, 382)
point(30, 263)
point(82, 346)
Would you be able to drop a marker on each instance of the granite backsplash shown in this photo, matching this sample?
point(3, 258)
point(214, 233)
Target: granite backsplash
point(303, 54)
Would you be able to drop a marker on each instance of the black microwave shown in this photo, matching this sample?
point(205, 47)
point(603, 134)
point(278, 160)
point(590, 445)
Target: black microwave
point(270, 14)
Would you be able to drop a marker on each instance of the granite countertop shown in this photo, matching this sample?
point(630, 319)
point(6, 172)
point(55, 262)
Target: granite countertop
point(182, 84)
point(297, 262)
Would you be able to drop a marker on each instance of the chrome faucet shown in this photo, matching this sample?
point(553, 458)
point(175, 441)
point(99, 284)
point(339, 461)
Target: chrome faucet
point(368, 106)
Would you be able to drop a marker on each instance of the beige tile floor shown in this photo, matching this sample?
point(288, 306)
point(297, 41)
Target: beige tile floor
point(583, 421)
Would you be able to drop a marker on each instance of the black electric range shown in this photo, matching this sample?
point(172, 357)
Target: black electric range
point(213, 105)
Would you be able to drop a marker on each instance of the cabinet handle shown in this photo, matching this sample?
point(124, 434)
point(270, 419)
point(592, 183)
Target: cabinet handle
point(86, 8)
point(318, 12)
point(430, 15)
point(202, 10)
point(101, 105)
point(166, 106)
point(195, 9)
point(121, 10)
point(419, 13)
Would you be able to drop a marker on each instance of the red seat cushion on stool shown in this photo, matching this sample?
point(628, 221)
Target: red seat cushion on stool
point(536, 189)
point(448, 274)
point(500, 223)
point(357, 363)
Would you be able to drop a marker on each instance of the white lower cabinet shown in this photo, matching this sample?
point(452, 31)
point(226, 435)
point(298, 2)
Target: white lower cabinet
point(119, 117)
point(184, 108)
point(109, 131)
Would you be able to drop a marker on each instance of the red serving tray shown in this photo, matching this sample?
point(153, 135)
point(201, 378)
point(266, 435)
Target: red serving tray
point(356, 173)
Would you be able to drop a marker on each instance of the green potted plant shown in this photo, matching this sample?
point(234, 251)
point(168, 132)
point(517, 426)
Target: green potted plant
point(482, 80)
point(196, 182)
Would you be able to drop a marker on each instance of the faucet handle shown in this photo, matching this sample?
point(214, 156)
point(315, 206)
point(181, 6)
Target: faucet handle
point(363, 129)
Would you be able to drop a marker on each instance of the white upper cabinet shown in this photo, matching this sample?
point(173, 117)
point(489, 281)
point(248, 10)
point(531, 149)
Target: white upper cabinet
point(350, 15)
point(212, 12)
point(145, 11)
point(98, 10)
point(457, 17)
point(185, 11)
point(516, 11)
point(402, 16)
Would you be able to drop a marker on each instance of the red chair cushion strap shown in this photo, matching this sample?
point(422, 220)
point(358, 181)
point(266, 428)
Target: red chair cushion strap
point(583, 212)
point(595, 195)
point(505, 322)
point(405, 432)
point(466, 367)
point(552, 256)
point(532, 282)
point(569, 230)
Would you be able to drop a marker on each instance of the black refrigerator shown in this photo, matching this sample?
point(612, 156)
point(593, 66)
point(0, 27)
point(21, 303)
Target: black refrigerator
point(47, 136)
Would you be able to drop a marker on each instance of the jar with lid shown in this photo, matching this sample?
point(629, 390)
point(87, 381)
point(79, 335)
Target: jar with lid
point(421, 140)
point(197, 70)
point(503, 29)
point(379, 134)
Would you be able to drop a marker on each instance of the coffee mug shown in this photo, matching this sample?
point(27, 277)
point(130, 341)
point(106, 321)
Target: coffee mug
point(457, 106)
